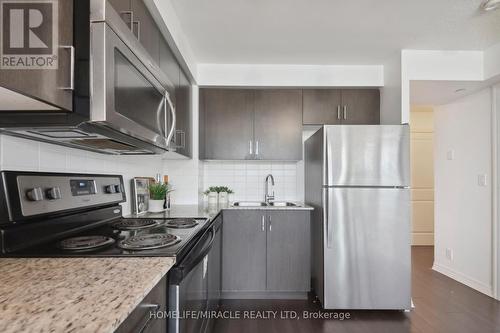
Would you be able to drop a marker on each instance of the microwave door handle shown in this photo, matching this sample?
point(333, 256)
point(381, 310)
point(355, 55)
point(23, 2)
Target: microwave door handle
point(172, 110)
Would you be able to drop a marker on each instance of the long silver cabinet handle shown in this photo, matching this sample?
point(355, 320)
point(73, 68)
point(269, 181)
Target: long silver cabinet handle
point(263, 223)
point(250, 147)
point(256, 148)
point(345, 112)
point(71, 49)
point(338, 112)
point(270, 224)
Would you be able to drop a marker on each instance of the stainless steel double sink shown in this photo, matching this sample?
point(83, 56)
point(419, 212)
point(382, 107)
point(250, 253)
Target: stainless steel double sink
point(264, 204)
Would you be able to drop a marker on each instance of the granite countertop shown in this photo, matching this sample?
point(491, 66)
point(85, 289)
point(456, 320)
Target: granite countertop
point(211, 211)
point(74, 294)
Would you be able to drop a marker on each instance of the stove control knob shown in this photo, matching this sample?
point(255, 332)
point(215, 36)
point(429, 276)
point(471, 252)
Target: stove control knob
point(118, 188)
point(54, 193)
point(109, 189)
point(35, 194)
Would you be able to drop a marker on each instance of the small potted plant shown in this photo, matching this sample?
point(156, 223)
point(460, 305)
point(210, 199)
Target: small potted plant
point(212, 194)
point(157, 194)
point(224, 193)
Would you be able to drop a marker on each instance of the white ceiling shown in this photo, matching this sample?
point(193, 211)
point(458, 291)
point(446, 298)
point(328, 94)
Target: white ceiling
point(360, 32)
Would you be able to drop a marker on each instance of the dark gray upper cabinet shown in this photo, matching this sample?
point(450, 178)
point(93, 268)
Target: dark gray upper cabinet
point(226, 124)
point(238, 124)
point(278, 124)
point(145, 29)
point(341, 106)
point(322, 106)
point(361, 106)
point(168, 63)
point(123, 8)
point(48, 85)
point(244, 251)
point(288, 251)
point(184, 120)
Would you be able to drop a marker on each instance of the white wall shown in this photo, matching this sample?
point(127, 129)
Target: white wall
point(463, 208)
point(246, 75)
point(27, 155)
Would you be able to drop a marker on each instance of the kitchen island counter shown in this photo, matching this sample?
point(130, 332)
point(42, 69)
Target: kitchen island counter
point(74, 294)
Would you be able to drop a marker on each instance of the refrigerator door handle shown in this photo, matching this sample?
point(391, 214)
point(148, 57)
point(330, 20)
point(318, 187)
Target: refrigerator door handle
point(326, 220)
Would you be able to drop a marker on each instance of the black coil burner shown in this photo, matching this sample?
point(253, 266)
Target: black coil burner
point(148, 241)
point(135, 224)
point(85, 243)
point(181, 223)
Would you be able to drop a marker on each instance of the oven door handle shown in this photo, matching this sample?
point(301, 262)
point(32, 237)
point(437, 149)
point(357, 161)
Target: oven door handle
point(192, 263)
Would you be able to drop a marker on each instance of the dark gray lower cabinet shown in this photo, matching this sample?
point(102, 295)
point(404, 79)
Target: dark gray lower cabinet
point(244, 251)
point(288, 251)
point(140, 320)
point(266, 253)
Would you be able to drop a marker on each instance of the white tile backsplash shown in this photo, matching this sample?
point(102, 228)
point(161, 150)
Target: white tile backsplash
point(246, 178)
point(27, 155)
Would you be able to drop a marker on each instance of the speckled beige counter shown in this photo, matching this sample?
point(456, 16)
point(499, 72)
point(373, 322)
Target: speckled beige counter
point(74, 294)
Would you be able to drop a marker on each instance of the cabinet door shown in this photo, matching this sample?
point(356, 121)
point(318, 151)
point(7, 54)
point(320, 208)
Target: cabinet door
point(244, 250)
point(140, 321)
point(288, 251)
point(362, 106)
point(145, 29)
point(278, 124)
point(168, 64)
point(226, 124)
point(122, 7)
point(183, 111)
point(47, 85)
point(321, 106)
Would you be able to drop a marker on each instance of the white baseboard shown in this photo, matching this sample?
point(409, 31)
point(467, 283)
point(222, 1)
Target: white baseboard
point(418, 238)
point(464, 279)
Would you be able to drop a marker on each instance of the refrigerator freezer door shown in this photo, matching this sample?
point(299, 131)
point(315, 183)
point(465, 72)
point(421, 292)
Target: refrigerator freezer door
point(358, 155)
point(367, 248)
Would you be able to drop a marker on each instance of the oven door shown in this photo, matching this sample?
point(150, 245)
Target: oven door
point(125, 95)
point(191, 285)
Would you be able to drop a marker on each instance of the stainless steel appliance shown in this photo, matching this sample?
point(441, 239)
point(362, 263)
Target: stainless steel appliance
point(78, 215)
point(121, 102)
point(357, 179)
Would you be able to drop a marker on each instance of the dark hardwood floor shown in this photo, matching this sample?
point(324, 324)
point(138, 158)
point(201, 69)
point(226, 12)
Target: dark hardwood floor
point(442, 305)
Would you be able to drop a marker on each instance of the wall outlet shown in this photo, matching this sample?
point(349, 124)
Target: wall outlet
point(449, 254)
point(481, 180)
point(450, 154)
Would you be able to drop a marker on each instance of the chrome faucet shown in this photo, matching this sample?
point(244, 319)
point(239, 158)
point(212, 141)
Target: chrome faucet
point(268, 197)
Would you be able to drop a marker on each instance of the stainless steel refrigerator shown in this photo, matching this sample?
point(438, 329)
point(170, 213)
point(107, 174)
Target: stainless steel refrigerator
point(357, 178)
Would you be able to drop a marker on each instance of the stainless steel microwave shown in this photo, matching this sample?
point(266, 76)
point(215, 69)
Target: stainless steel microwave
point(121, 102)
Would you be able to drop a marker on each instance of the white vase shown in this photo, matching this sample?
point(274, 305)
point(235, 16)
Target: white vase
point(212, 198)
point(155, 206)
point(223, 198)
